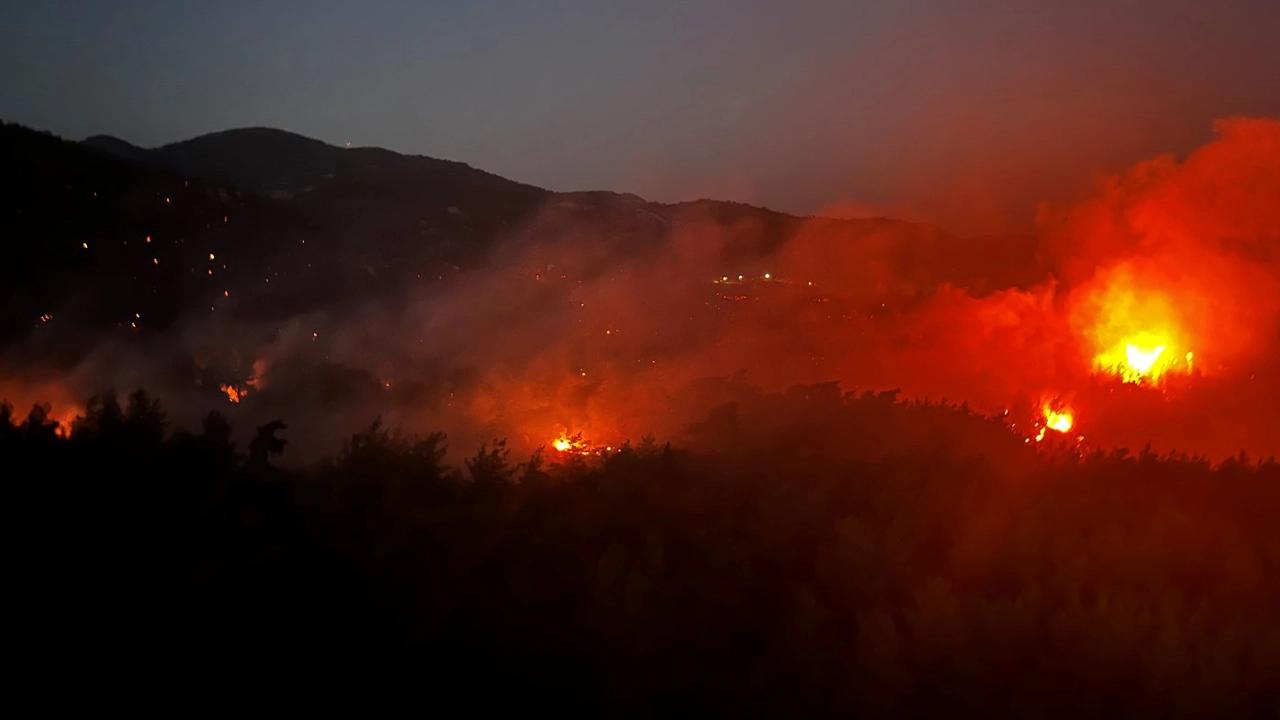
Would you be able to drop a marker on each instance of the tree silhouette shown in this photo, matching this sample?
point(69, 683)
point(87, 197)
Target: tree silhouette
point(842, 555)
point(265, 444)
point(489, 468)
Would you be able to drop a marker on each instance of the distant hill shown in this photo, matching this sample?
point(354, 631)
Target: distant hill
point(116, 146)
point(266, 160)
point(95, 240)
point(341, 187)
point(372, 196)
point(258, 160)
point(294, 224)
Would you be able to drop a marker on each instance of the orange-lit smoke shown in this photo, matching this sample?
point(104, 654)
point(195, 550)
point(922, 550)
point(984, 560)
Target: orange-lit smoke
point(1168, 272)
point(54, 398)
point(1151, 305)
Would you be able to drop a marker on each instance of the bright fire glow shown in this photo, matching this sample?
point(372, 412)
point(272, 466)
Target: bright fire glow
point(1146, 357)
point(1142, 360)
point(234, 394)
point(575, 445)
point(1058, 420)
point(1138, 332)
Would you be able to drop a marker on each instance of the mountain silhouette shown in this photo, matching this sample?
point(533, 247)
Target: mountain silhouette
point(102, 231)
point(268, 161)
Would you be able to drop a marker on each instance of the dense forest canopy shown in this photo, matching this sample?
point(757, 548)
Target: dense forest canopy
point(813, 551)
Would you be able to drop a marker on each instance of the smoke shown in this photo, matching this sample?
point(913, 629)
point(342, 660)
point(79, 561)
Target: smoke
point(614, 318)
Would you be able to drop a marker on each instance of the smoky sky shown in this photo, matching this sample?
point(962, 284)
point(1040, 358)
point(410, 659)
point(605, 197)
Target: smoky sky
point(965, 114)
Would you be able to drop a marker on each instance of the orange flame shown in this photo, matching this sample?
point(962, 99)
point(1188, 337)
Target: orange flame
point(65, 416)
point(237, 392)
point(575, 445)
point(1138, 331)
point(571, 444)
point(1058, 420)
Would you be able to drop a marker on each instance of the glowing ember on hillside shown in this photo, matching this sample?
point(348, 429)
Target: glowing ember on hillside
point(239, 391)
point(234, 393)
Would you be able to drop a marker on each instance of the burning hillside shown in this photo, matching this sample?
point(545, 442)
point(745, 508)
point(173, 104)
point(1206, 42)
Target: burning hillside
point(1139, 312)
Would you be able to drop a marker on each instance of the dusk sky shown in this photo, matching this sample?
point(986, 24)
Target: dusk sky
point(966, 114)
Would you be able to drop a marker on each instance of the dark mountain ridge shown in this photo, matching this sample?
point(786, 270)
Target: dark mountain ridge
point(257, 222)
point(266, 160)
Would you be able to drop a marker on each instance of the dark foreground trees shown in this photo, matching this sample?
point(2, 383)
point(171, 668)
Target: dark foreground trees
point(816, 553)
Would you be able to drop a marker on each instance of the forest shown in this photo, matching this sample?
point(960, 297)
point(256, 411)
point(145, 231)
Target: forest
point(810, 552)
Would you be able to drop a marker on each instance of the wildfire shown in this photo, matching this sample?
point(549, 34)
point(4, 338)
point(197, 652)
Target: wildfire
point(575, 445)
point(1058, 420)
point(1147, 357)
point(572, 445)
point(65, 416)
point(237, 392)
point(1138, 330)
